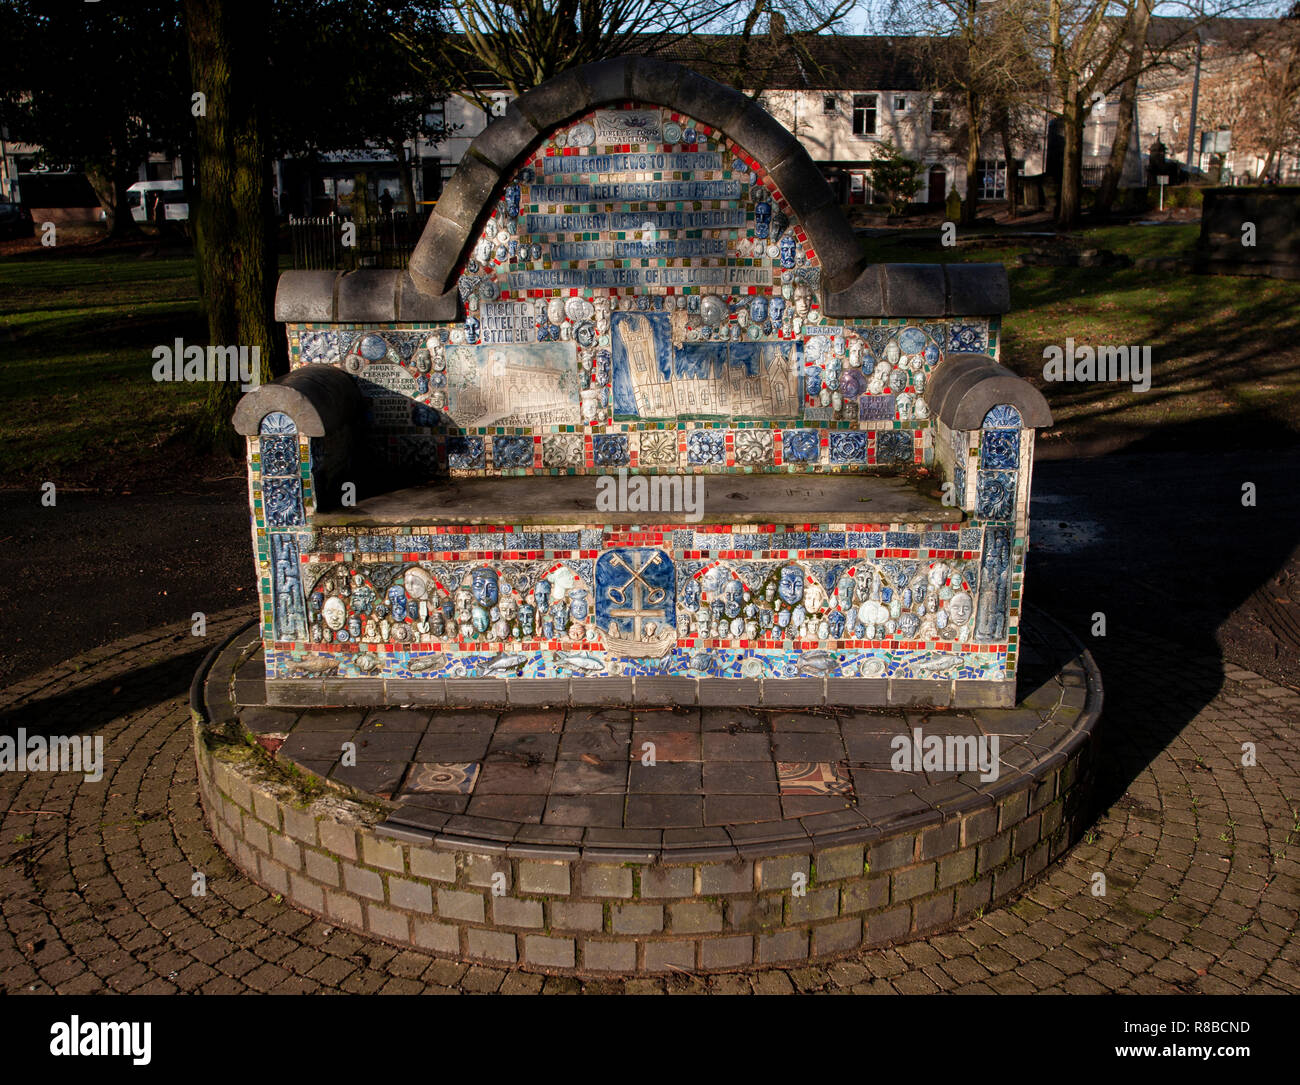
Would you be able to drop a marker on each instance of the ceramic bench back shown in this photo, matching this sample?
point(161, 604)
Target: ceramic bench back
point(682, 332)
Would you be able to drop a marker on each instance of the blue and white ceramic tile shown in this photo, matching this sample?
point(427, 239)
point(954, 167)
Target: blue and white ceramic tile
point(282, 502)
point(800, 445)
point(1000, 448)
point(279, 455)
point(848, 446)
point(705, 446)
point(465, 453)
point(277, 422)
point(1003, 416)
point(894, 446)
point(610, 450)
point(512, 451)
point(995, 495)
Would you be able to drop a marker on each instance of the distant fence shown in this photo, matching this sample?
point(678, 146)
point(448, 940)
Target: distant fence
point(382, 241)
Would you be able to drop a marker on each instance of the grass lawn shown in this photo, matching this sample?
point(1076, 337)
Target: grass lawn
point(1225, 349)
point(78, 403)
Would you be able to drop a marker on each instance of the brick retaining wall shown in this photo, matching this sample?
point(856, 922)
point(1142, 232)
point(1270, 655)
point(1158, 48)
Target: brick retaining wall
point(522, 906)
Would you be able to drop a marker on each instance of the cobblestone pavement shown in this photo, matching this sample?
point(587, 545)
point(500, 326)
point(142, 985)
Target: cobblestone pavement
point(1201, 858)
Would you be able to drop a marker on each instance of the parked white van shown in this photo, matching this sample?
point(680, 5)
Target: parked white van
point(143, 195)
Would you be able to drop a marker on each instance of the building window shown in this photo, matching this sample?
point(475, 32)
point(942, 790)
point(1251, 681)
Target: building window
point(864, 114)
point(830, 104)
point(436, 119)
point(992, 178)
point(900, 104)
point(940, 115)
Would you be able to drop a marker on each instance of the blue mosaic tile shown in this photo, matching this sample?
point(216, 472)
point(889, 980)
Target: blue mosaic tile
point(635, 595)
point(848, 446)
point(995, 586)
point(745, 541)
point(561, 540)
point(970, 538)
point(610, 449)
point(282, 502)
point(911, 340)
point(1003, 416)
point(940, 540)
point(522, 540)
point(704, 446)
point(591, 538)
point(465, 453)
point(866, 540)
point(683, 539)
point(376, 544)
point(513, 451)
point(277, 422)
point(1000, 448)
point(959, 484)
point(968, 338)
point(410, 543)
point(826, 540)
point(319, 347)
point(903, 540)
point(894, 446)
point(290, 616)
point(451, 542)
point(800, 445)
point(797, 541)
point(995, 495)
point(279, 455)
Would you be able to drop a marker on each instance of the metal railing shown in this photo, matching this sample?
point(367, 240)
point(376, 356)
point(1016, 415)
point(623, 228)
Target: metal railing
point(321, 242)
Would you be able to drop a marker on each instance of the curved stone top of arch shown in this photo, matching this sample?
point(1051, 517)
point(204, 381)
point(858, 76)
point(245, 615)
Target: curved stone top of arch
point(965, 387)
point(320, 399)
point(467, 200)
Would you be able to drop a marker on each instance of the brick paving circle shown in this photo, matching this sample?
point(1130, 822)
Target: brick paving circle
point(1201, 857)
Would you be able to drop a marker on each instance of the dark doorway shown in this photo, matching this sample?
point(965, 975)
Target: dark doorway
point(938, 186)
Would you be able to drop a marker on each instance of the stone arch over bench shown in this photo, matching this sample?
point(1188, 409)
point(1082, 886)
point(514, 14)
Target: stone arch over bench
point(426, 291)
point(505, 143)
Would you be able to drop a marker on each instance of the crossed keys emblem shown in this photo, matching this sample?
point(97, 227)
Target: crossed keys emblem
point(643, 595)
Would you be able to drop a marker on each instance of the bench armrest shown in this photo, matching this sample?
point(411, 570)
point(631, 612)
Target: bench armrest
point(326, 406)
point(965, 387)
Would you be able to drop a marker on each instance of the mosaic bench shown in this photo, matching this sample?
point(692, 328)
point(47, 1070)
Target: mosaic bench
point(639, 425)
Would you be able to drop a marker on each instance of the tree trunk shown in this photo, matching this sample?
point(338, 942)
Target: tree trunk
point(1110, 178)
point(1013, 176)
point(1070, 203)
point(234, 231)
point(970, 206)
point(109, 185)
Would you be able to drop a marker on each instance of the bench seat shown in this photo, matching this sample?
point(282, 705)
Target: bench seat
point(727, 499)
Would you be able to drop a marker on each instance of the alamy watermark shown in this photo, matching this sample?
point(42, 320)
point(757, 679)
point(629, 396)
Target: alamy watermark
point(116, 1039)
point(195, 363)
point(919, 752)
point(1104, 363)
point(57, 753)
point(651, 493)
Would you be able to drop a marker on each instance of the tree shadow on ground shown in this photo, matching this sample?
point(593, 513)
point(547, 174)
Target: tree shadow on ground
point(1175, 562)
